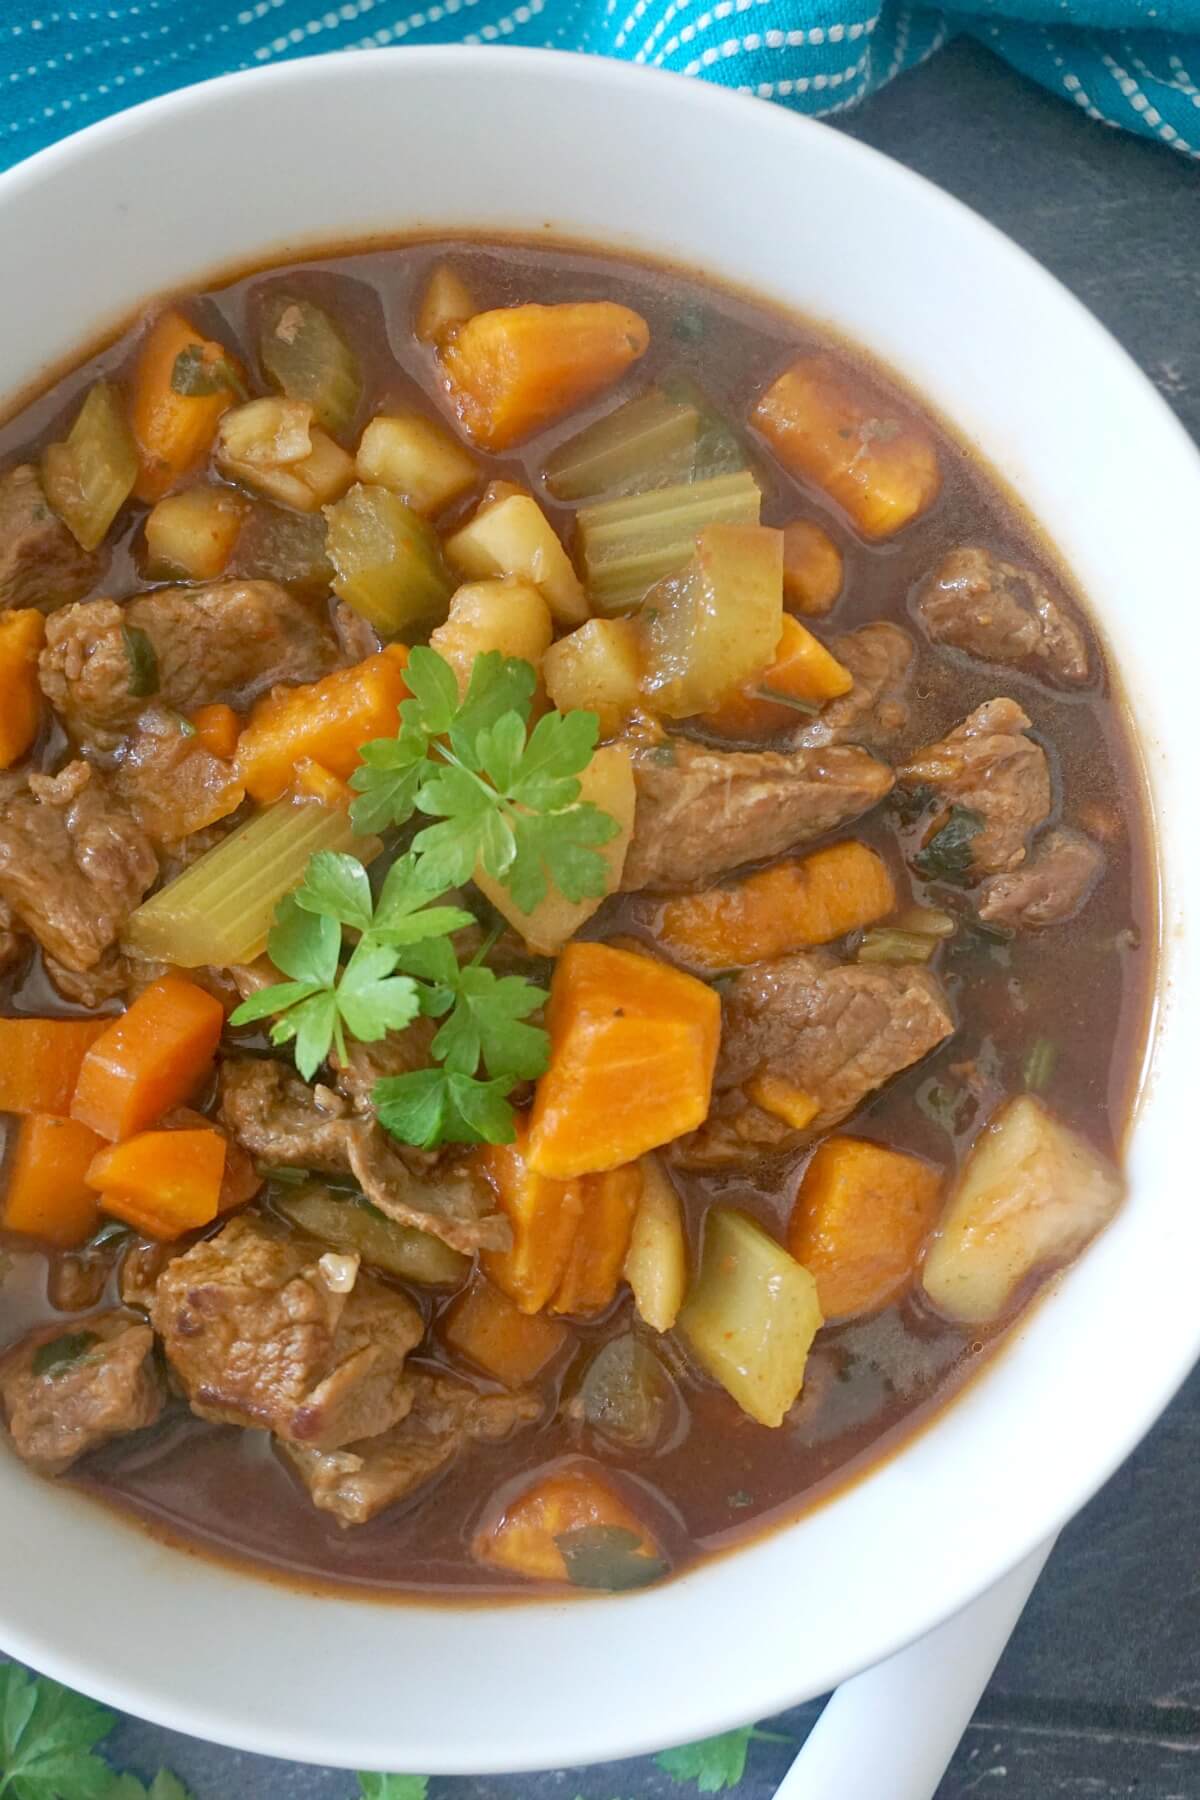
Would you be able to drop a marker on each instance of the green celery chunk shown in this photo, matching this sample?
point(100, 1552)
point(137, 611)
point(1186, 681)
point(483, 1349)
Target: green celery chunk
point(89, 477)
point(628, 545)
point(352, 1224)
point(220, 910)
point(887, 944)
point(647, 443)
point(388, 561)
point(305, 355)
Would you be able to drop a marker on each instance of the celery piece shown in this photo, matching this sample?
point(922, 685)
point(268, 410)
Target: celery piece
point(716, 625)
point(649, 442)
point(751, 1316)
point(628, 545)
point(305, 355)
point(346, 1222)
point(887, 944)
point(719, 450)
point(388, 561)
point(220, 909)
point(89, 477)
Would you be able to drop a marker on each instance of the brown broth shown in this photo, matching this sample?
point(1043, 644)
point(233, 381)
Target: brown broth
point(717, 1478)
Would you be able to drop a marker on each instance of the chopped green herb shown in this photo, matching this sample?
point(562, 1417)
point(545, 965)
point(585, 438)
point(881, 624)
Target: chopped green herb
point(143, 663)
point(186, 728)
point(194, 372)
point(282, 1175)
point(56, 1357)
point(608, 1557)
point(810, 708)
point(1038, 1066)
point(947, 856)
point(715, 1763)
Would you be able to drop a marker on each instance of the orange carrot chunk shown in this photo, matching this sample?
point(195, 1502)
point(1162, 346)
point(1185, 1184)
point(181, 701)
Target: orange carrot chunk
point(174, 421)
point(326, 721)
point(544, 1216)
point(152, 1058)
point(47, 1194)
point(601, 1244)
point(803, 671)
point(570, 1526)
point(163, 1182)
point(518, 368)
point(217, 728)
point(22, 634)
point(791, 906)
point(484, 1326)
point(40, 1060)
point(633, 1045)
point(861, 1215)
point(812, 568)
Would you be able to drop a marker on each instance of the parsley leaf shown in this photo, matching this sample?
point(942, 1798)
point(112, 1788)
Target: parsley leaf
point(608, 1557)
point(948, 856)
point(393, 1787)
point(142, 658)
point(440, 1106)
point(336, 887)
point(196, 370)
point(47, 1736)
point(371, 1000)
point(716, 1762)
point(165, 1786)
point(504, 796)
point(485, 1023)
point(62, 1353)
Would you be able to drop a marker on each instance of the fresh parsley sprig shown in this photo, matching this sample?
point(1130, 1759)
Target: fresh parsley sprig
point(715, 1763)
point(504, 796)
point(48, 1738)
point(402, 965)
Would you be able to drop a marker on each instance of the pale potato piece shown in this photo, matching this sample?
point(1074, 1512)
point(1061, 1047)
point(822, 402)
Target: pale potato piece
point(1032, 1192)
point(597, 667)
point(656, 1261)
point(608, 783)
point(194, 532)
point(418, 459)
point(513, 536)
point(509, 616)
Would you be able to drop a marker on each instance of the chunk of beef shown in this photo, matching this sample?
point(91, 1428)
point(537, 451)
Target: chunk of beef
point(73, 862)
point(12, 943)
point(260, 1334)
point(68, 1392)
point(1051, 887)
point(701, 811)
point(228, 642)
point(142, 1262)
point(875, 711)
point(356, 1483)
point(357, 637)
point(837, 1031)
point(279, 1119)
point(172, 784)
point(40, 563)
point(975, 601)
point(989, 766)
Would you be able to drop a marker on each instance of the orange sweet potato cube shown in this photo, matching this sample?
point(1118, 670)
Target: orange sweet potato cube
point(486, 1327)
point(601, 1243)
point(571, 1526)
point(544, 1215)
point(861, 1214)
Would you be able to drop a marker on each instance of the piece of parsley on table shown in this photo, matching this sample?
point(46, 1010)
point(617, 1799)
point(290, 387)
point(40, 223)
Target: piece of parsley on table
point(393, 1787)
point(715, 1763)
point(48, 1738)
point(505, 797)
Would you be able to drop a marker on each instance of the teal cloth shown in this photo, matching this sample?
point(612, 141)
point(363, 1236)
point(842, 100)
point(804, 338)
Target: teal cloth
point(1123, 62)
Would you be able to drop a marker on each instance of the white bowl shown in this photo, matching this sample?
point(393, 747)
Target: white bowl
point(271, 163)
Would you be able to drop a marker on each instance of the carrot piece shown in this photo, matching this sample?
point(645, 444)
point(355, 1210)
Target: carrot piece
point(546, 1532)
point(601, 1244)
point(217, 727)
point(803, 670)
point(150, 1059)
point(791, 906)
point(40, 1060)
point(22, 634)
point(174, 430)
point(829, 425)
point(544, 1216)
point(315, 781)
point(860, 1216)
point(166, 1182)
point(47, 1196)
point(517, 368)
point(784, 1099)
point(812, 568)
point(483, 1325)
point(241, 1180)
point(633, 1045)
point(327, 720)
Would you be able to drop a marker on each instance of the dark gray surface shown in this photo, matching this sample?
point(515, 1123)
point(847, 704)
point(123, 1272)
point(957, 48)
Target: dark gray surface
point(1098, 1695)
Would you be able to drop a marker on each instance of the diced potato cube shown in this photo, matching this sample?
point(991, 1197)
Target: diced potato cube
point(717, 624)
point(417, 459)
point(483, 1325)
point(1031, 1195)
point(514, 537)
point(517, 368)
point(272, 446)
point(446, 301)
point(508, 616)
point(802, 670)
point(608, 783)
point(751, 1316)
point(597, 667)
point(544, 1215)
point(830, 425)
point(193, 533)
point(656, 1262)
point(861, 1215)
point(570, 1526)
point(599, 1247)
point(812, 569)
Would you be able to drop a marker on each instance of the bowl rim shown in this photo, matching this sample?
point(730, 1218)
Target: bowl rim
point(702, 1714)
